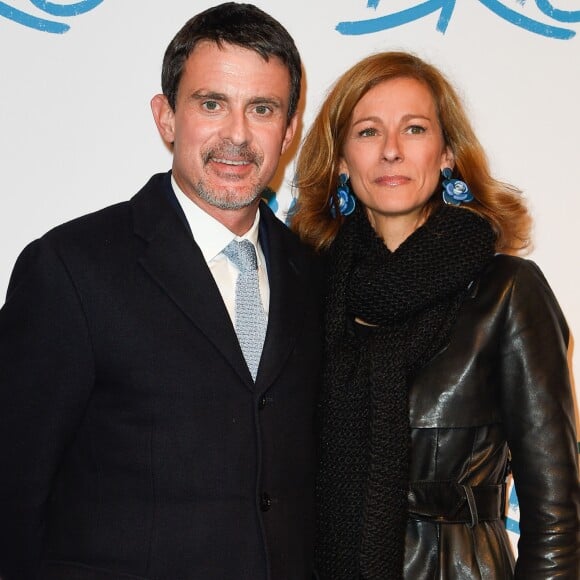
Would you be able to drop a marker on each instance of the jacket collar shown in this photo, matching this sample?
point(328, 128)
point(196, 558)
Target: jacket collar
point(174, 261)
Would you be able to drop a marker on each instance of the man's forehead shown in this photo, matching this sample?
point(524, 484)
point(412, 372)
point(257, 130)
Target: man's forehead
point(231, 68)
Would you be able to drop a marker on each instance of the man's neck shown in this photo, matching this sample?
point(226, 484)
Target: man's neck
point(238, 221)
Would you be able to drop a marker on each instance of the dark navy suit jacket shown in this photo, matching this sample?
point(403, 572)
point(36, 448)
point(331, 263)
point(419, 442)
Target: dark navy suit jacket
point(133, 441)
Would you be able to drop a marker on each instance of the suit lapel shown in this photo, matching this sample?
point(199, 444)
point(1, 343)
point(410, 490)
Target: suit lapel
point(175, 262)
point(287, 298)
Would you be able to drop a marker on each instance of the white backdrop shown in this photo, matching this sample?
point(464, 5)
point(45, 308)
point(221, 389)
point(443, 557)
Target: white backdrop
point(76, 132)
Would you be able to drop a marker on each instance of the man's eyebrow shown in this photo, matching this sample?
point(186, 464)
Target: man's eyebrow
point(201, 94)
point(275, 102)
point(270, 100)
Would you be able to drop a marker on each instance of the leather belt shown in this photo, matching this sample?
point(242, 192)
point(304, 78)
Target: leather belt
point(453, 503)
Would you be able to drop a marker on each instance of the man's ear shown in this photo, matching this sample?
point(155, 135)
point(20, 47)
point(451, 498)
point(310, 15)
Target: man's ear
point(164, 117)
point(290, 132)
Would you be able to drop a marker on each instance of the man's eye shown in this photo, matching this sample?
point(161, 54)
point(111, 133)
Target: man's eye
point(210, 105)
point(262, 110)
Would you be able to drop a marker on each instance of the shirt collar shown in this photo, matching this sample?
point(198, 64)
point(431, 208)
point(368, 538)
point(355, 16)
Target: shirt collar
point(209, 234)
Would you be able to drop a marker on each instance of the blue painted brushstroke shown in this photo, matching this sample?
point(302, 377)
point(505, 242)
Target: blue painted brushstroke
point(559, 15)
point(75, 9)
point(52, 8)
point(400, 18)
point(527, 23)
point(446, 7)
point(32, 21)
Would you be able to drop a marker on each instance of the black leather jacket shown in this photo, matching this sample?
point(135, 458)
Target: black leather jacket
point(499, 391)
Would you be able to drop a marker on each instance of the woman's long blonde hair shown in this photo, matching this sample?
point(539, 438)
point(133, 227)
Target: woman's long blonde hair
point(317, 166)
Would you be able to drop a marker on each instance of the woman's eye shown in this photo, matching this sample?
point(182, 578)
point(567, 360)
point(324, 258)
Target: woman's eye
point(368, 132)
point(416, 129)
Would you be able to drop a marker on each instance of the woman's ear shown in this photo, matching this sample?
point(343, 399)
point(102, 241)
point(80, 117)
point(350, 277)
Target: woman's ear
point(342, 166)
point(447, 158)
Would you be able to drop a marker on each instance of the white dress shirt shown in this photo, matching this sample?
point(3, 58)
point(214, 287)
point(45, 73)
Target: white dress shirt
point(212, 237)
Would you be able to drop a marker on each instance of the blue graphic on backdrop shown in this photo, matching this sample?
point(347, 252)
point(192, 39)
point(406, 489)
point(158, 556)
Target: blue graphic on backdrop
point(51, 8)
point(512, 522)
point(446, 7)
point(269, 196)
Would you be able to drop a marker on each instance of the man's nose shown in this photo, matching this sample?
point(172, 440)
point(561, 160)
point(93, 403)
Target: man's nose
point(235, 128)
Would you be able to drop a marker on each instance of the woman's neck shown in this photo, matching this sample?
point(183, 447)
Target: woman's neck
point(395, 229)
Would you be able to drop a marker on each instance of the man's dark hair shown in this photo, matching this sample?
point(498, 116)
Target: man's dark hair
point(242, 25)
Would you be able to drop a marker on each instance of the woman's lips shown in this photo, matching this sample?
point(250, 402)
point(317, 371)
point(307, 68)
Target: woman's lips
point(392, 180)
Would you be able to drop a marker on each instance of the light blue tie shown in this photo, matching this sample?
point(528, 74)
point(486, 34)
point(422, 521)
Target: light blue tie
point(251, 319)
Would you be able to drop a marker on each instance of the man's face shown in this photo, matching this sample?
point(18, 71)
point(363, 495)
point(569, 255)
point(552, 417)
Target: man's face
point(229, 126)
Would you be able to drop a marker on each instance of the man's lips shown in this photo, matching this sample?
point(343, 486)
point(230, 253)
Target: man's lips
point(232, 162)
point(225, 168)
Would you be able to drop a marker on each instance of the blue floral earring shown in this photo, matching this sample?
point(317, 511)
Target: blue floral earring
point(344, 196)
point(455, 191)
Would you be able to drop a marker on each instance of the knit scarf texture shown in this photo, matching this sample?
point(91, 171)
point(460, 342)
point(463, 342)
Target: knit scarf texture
point(411, 298)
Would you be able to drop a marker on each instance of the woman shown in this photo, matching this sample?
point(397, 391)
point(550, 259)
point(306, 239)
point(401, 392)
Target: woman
point(446, 357)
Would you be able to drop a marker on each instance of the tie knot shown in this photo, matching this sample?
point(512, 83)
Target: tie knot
point(242, 255)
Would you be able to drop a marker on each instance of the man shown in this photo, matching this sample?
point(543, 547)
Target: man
point(135, 442)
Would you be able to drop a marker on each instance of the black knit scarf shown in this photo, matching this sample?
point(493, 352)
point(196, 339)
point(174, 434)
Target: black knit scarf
point(411, 297)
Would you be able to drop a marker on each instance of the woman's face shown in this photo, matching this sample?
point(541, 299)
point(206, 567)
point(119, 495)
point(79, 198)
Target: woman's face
point(394, 152)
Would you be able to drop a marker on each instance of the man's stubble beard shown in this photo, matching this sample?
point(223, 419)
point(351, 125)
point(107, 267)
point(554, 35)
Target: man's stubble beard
point(229, 199)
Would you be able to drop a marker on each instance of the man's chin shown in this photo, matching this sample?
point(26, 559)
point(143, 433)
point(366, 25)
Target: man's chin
point(232, 201)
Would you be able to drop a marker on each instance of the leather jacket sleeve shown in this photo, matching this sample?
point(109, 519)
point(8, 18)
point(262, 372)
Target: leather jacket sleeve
point(538, 414)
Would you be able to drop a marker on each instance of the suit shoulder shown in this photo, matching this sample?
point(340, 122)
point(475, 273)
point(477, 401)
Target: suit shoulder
point(290, 238)
point(101, 237)
point(78, 241)
point(114, 220)
point(98, 224)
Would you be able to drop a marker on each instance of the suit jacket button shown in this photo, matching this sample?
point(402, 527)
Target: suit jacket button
point(262, 402)
point(265, 502)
